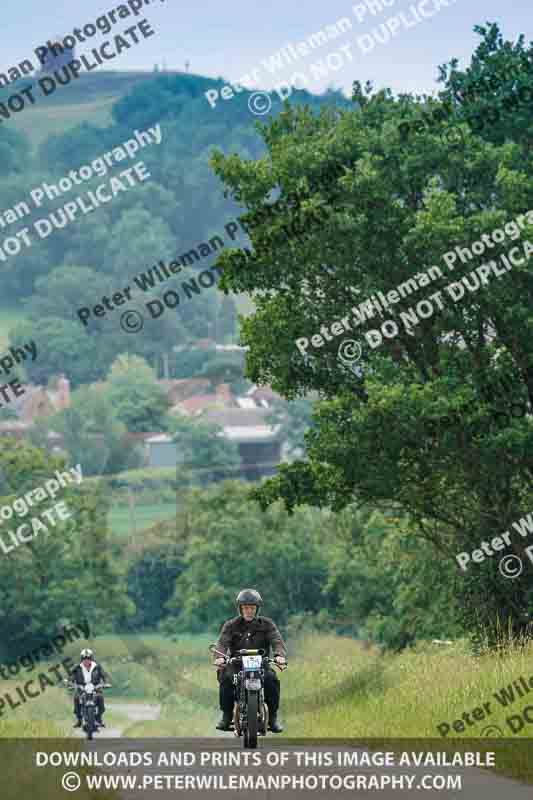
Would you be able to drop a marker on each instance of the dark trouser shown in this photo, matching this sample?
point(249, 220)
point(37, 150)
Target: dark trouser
point(227, 693)
point(100, 707)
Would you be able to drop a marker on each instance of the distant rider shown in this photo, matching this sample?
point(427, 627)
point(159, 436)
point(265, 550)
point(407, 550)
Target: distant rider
point(249, 631)
point(88, 671)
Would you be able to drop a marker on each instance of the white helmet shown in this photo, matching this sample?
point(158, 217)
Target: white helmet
point(86, 654)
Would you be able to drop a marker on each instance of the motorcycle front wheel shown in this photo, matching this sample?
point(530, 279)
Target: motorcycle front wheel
point(90, 724)
point(250, 731)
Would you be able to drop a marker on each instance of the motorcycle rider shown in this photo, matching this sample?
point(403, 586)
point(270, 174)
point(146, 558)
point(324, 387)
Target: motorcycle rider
point(249, 631)
point(88, 671)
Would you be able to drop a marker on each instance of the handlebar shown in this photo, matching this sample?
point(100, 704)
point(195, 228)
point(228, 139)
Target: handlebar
point(97, 686)
point(236, 659)
point(241, 653)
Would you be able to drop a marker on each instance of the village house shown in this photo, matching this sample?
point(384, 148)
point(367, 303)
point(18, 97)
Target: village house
point(242, 419)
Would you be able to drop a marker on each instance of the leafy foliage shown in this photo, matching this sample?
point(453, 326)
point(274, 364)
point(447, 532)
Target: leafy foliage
point(181, 205)
point(388, 207)
point(65, 576)
point(92, 434)
point(14, 152)
point(203, 454)
point(139, 401)
point(353, 572)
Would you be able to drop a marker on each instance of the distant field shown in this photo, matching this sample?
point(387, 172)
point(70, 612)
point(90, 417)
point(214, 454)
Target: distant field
point(88, 99)
point(40, 122)
point(124, 523)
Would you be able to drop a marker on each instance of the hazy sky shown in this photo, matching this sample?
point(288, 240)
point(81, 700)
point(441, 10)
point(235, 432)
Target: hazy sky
point(231, 39)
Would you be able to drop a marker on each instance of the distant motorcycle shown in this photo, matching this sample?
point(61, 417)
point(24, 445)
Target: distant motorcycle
point(87, 696)
point(250, 712)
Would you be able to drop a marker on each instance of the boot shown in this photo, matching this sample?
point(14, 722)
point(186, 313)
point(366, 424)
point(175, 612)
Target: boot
point(225, 722)
point(78, 723)
point(274, 724)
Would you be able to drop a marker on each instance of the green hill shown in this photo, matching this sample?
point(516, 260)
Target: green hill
point(88, 99)
point(184, 201)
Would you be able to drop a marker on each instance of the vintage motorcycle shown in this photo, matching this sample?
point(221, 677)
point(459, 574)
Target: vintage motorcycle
point(250, 712)
point(87, 694)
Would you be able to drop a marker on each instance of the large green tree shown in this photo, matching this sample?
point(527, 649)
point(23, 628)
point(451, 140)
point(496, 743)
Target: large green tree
point(62, 346)
point(234, 545)
point(139, 401)
point(204, 453)
point(367, 208)
point(65, 575)
point(92, 433)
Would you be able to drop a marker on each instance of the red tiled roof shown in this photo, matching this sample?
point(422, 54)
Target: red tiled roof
point(183, 388)
point(197, 403)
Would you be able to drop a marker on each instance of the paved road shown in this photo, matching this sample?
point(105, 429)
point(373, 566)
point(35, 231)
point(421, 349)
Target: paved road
point(135, 712)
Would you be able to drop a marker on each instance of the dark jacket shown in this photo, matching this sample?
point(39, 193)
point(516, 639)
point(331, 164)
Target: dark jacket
point(98, 675)
point(237, 634)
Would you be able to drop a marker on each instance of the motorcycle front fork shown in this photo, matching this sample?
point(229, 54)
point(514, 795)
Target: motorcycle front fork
point(240, 702)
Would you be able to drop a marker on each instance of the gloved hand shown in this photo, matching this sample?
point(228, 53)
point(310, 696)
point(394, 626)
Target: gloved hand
point(220, 662)
point(281, 660)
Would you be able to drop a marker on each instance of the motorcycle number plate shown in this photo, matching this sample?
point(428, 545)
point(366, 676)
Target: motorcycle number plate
point(252, 662)
point(253, 683)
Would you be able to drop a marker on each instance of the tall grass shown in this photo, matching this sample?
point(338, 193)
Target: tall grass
point(405, 695)
point(126, 522)
point(334, 687)
point(48, 715)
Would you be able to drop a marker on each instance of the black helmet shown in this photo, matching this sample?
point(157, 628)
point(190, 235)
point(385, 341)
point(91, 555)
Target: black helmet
point(249, 596)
